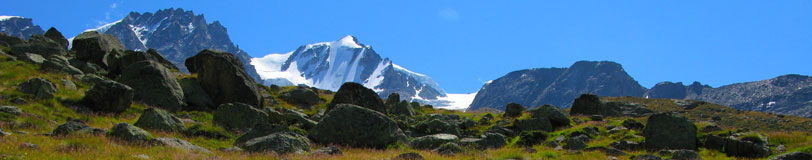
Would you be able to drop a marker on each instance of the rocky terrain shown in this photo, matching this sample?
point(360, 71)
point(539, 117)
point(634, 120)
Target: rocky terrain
point(98, 100)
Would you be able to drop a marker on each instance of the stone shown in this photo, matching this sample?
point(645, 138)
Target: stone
point(12, 110)
point(492, 140)
point(56, 36)
point(356, 126)
point(357, 94)
point(68, 84)
point(402, 108)
point(96, 47)
point(296, 117)
point(223, 77)
point(38, 44)
point(533, 124)
point(194, 95)
point(331, 150)
point(684, 154)
point(645, 157)
point(281, 143)
point(31, 58)
point(711, 128)
point(238, 116)
point(392, 100)
point(632, 124)
point(670, 131)
point(130, 57)
point(714, 142)
point(558, 117)
point(532, 138)
point(436, 126)
point(180, 144)
point(75, 126)
point(259, 130)
point(596, 117)
point(626, 145)
point(486, 119)
point(59, 64)
point(409, 156)
point(793, 156)
point(127, 132)
point(514, 110)
point(432, 141)
point(158, 119)
point(154, 85)
point(39, 87)
point(109, 96)
point(577, 142)
point(745, 147)
point(301, 97)
point(448, 149)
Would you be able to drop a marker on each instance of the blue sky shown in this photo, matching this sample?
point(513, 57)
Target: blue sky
point(463, 45)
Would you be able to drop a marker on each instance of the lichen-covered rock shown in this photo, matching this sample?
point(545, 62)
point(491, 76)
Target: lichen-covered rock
point(301, 97)
point(357, 94)
point(435, 126)
point(402, 108)
point(159, 119)
point(130, 57)
point(97, 48)
point(11, 110)
point(154, 85)
point(41, 88)
point(558, 117)
point(492, 140)
point(109, 96)
point(127, 132)
point(356, 126)
point(533, 124)
point(632, 124)
point(180, 144)
point(223, 78)
point(59, 64)
point(194, 95)
point(238, 116)
point(259, 130)
point(56, 36)
point(670, 131)
point(409, 156)
point(514, 110)
point(685, 154)
point(432, 141)
point(281, 143)
point(750, 147)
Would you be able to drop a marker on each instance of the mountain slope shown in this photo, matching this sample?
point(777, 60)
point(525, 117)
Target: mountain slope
point(557, 86)
point(176, 34)
point(327, 65)
point(20, 27)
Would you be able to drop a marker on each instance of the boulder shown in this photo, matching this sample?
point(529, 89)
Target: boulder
point(558, 117)
point(626, 145)
point(194, 95)
point(41, 88)
point(238, 116)
point(449, 149)
point(533, 124)
point(97, 48)
point(180, 144)
point(281, 143)
point(532, 138)
point(11, 110)
point(747, 147)
point(632, 124)
point(259, 130)
point(589, 104)
point(154, 85)
point(223, 77)
point(59, 64)
point(87, 67)
point(158, 119)
point(402, 108)
point(127, 132)
point(109, 96)
point(301, 97)
point(435, 126)
point(409, 156)
point(392, 100)
point(711, 128)
point(130, 57)
point(57, 37)
point(331, 150)
point(68, 128)
point(714, 142)
point(492, 140)
point(357, 94)
point(68, 84)
point(31, 58)
point(596, 118)
point(39, 44)
point(684, 154)
point(577, 143)
point(670, 131)
point(793, 156)
point(296, 117)
point(432, 141)
point(356, 126)
point(514, 110)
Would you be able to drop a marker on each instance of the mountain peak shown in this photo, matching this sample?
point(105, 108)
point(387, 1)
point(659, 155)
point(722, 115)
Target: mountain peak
point(4, 17)
point(349, 41)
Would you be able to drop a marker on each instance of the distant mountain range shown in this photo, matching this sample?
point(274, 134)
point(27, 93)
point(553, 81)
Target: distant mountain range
point(19, 26)
point(327, 65)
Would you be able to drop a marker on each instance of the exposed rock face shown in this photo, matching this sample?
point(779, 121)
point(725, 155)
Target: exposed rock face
point(301, 97)
point(238, 116)
point(670, 131)
point(223, 78)
point(259, 130)
point(514, 110)
point(589, 104)
point(402, 108)
point(127, 132)
point(59, 64)
point(154, 85)
point(356, 126)
point(357, 94)
point(159, 119)
point(57, 36)
point(177, 35)
point(195, 97)
point(281, 143)
point(20, 27)
point(432, 141)
point(39, 87)
point(557, 86)
point(97, 48)
point(130, 57)
point(750, 147)
point(667, 90)
point(109, 96)
point(558, 117)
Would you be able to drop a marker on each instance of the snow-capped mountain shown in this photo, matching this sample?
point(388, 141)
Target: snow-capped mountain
point(327, 65)
point(176, 34)
point(19, 26)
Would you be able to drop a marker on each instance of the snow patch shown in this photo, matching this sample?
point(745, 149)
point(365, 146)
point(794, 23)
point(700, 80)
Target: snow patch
point(456, 101)
point(348, 41)
point(3, 18)
point(103, 28)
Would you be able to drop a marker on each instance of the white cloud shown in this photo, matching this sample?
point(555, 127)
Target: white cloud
point(449, 14)
point(114, 6)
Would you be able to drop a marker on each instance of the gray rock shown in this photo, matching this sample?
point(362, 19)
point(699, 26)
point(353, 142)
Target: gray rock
point(29, 146)
point(714, 142)
point(259, 130)
point(432, 141)
point(409, 156)
point(59, 64)
point(626, 145)
point(533, 124)
point(448, 149)
point(180, 144)
point(596, 117)
point(711, 128)
point(68, 84)
point(751, 148)
point(109, 96)
point(557, 116)
point(57, 37)
point(301, 97)
point(281, 143)
point(96, 48)
point(294, 117)
point(154, 85)
point(357, 94)
point(75, 126)
point(127, 132)
point(514, 110)
point(39, 87)
point(633, 124)
point(670, 131)
point(577, 143)
point(492, 140)
point(223, 78)
point(436, 126)
point(356, 126)
point(238, 116)
point(684, 154)
point(159, 119)
point(39, 44)
point(131, 57)
point(402, 108)
point(31, 58)
point(793, 156)
point(195, 97)
point(331, 150)
point(12, 110)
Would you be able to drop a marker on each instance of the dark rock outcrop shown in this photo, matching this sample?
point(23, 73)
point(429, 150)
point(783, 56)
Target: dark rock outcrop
point(589, 104)
point(301, 97)
point(281, 143)
point(41, 88)
point(223, 78)
point(670, 131)
point(195, 97)
point(357, 94)
point(793, 156)
point(97, 48)
point(514, 110)
point(259, 130)
point(432, 141)
point(356, 126)
point(57, 36)
point(129, 57)
point(238, 116)
point(154, 85)
point(127, 132)
point(109, 96)
point(159, 119)
point(558, 117)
